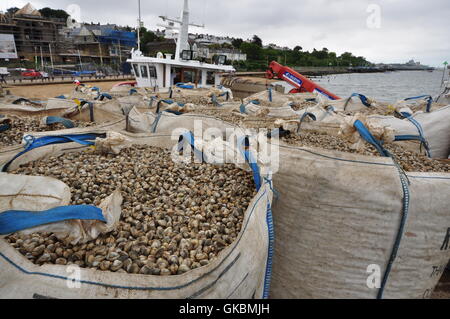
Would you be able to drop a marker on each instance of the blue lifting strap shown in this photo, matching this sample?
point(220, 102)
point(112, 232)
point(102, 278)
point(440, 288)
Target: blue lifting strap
point(366, 135)
point(105, 96)
point(424, 141)
point(32, 143)
point(243, 145)
point(4, 127)
point(184, 86)
point(428, 98)
point(215, 101)
point(15, 220)
point(189, 138)
point(304, 116)
point(364, 100)
point(56, 119)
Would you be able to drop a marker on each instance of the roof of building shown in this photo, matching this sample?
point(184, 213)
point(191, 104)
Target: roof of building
point(28, 10)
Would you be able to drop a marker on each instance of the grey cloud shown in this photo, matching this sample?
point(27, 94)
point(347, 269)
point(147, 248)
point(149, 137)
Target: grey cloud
point(409, 29)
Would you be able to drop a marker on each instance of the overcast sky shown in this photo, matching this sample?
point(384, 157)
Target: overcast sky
point(406, 29)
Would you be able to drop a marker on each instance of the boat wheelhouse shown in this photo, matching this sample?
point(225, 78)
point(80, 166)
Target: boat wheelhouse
point(164, 71)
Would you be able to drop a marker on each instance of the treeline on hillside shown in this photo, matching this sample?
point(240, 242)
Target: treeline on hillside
point(45, 12)
point(258, 56)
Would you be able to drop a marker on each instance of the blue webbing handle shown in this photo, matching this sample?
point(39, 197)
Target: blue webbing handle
point(227, 94)
point(364, 100)
point(410, 118)
point(366, 135)
point(102, 96)
point(184, 86)
point(305, 115)
point(83, 139)
point(189, 137)
point(270, 95)
point(215, 101)
point(56, 119)
point(15, 220)
point(152, 99)
point(243, 144)
point(405, 204)
point(421, 139)
point(243, 109)
point(159, 113)
point(428, 98)
point(91, 109)
point(132, 91)
point(4, 127)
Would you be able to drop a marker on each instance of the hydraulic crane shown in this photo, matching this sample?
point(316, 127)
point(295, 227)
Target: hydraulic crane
point(300, 82)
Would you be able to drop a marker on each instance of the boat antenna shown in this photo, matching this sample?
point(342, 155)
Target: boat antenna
point(139, 26)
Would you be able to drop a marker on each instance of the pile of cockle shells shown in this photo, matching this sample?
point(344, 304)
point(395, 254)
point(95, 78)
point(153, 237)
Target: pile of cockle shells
point(243, 121)
point(20, 126)
point(175, 217)
point(409, 161)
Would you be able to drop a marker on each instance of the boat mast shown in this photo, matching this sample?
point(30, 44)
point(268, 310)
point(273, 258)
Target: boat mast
point(183, 36)
point(139, 26)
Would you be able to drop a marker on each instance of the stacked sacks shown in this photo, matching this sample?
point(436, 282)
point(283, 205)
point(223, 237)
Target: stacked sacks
point(167, 122)
point(24, 107)
point(241, 270)
point(354, 226)
point(421, 131)
point(202, 96)
point(273, 104)
point(430, 130)
point(13, 128)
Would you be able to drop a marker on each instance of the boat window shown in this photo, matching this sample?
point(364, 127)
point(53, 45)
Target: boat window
point(136, 70)
point(144, 71)
point(210, 78)
point(152, 71)
point(189, 76)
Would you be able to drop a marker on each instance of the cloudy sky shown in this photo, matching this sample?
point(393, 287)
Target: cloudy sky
point(380, 30)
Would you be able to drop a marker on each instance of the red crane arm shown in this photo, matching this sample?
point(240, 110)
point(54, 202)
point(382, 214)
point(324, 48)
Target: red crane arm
point(300, 82)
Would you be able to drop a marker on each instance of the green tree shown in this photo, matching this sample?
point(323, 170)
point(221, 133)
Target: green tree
point(12, 10)
point(257, 40)
point(51, 13)
point(147, 37)
point(298, 48)
point(237, 43)
point(253, 51)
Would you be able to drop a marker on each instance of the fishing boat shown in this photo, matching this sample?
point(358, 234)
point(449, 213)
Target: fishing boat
point(165, 70)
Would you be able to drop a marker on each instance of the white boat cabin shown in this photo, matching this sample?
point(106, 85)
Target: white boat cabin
point(162, 72)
